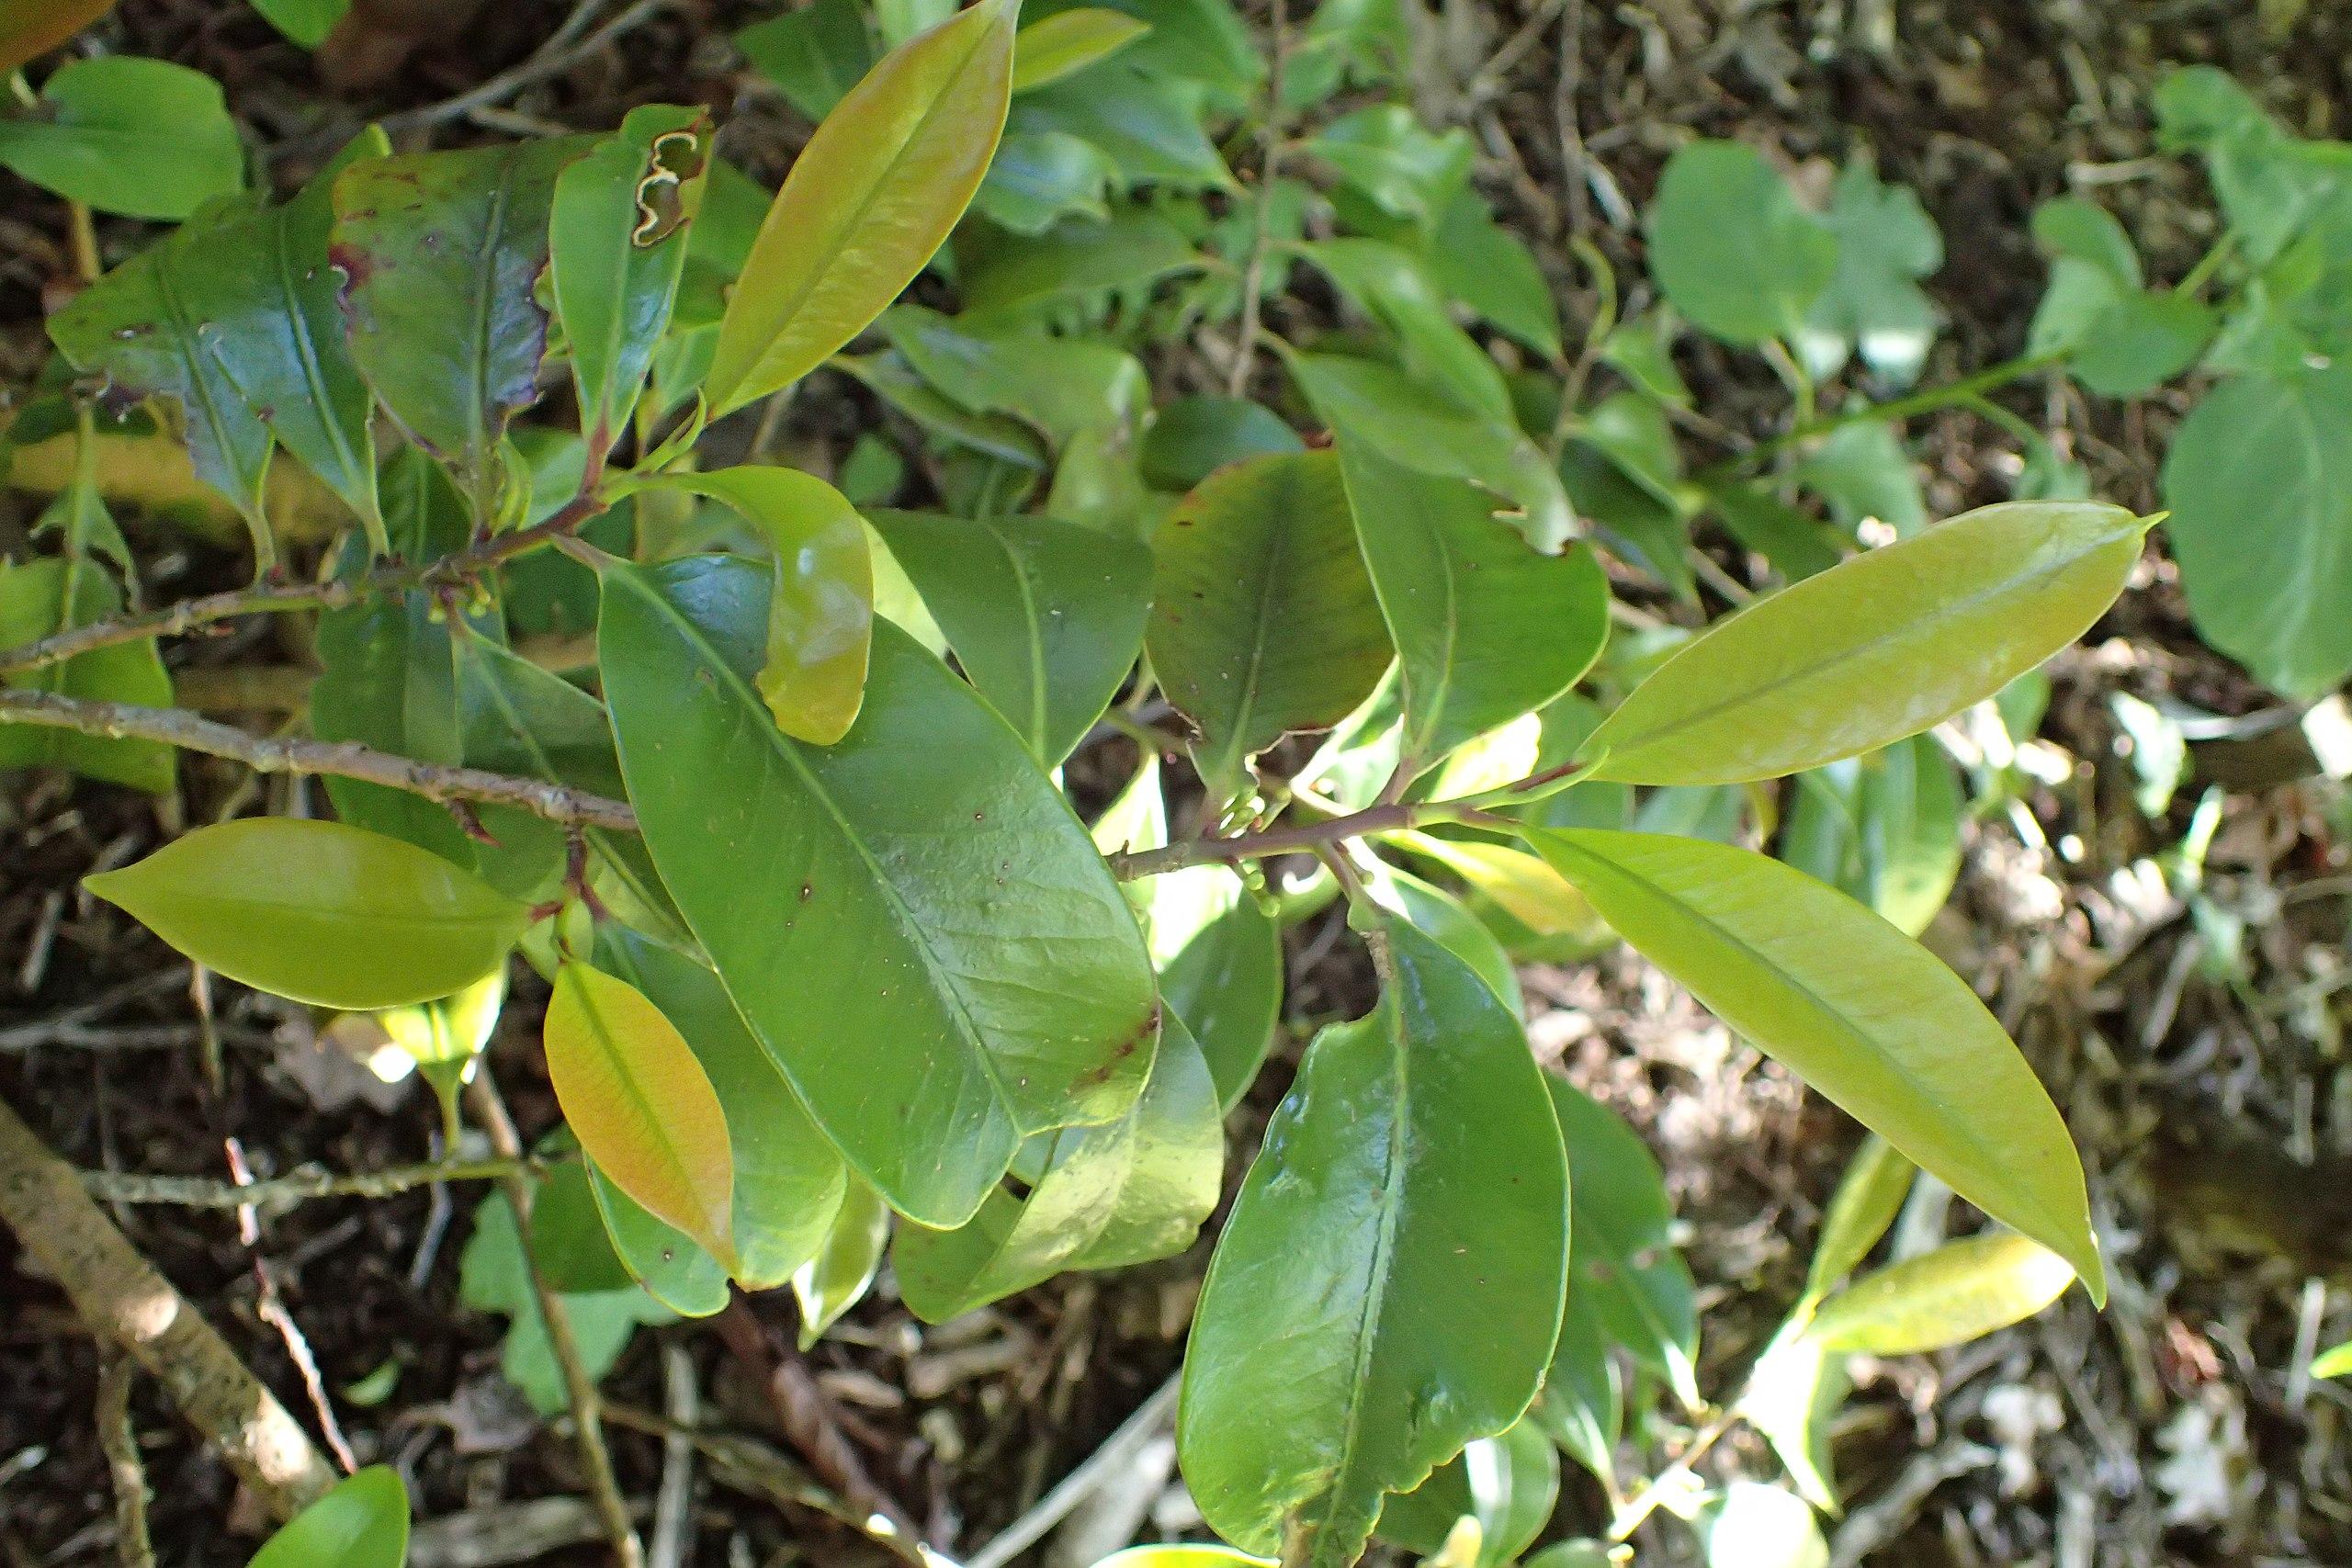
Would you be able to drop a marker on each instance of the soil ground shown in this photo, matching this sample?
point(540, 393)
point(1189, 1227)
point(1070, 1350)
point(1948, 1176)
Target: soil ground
point(2212, 1105)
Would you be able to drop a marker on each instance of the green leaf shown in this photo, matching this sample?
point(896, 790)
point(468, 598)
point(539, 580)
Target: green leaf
point(617, 242)
point(1149, 124)
point(1062, 386)
point(990, 970)
point(445, 249)
point(1880, 647)
point(444, 1036)
point(1391, 287)
point(2262, 509)
point(29, 29)
point(1384, 150)
point(2332, 1363)
point(1868, 1197)
point(1040, 177)
point(1731, 247)
point(334, 916)
point(1883, 828)
point(40, 598)
point(1046, 617)
point(1886, 243)
point(820, 619)
point(1388, 1287)
point(1791, 543)
point(1521, 884)
point(1508, 1483)
point(788, 1180)
point(675, 1269)
point(640, 1104)
point(1380, 406)
point(1125, 1192)
point(306, 22)
point(362, 1522)
point(1582, 1408)
point(1863, 1013)
point(865, 204)
point(1623, 1267)
point(495, 1276)
point(1262, 619)
point(1068, 42)
point(1792, 1397)
point(816, 54)
point(1441, 916)
point(838, 1276)
point(1864, 472)
point(138, 327)
point(1181, 1557)
point(1220, 960)
point(1961, 1290)
point(1580, 1554)
point(144, 138)
point(1079, 256)
point(1194, 437)
point(1486, 628)
point(1490, 269)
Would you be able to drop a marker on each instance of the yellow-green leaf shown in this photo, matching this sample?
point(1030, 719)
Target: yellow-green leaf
point(640, 1104)
point(362, 1522)
point(821, 618)
point(323, 913)
point(1880, 647)
point(1959, 1291)
point(2334, 1363)
point(1181, 1557)
point(867, 202)
point(1861, 1011)
point(1868, 1197)
point(1523, 887)
point(1069, 41)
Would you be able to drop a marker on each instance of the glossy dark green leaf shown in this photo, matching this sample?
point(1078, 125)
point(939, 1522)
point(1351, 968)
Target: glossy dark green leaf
point(568, 1242)
point(1379, 406)
point(1731, 246)
point(617, 240)
point(1440, 916)
point(788, 1180)
point(2262, 507)
point(1582, 1408)
point(1508, 1483)
point(1264, 620)
point(1388, 1287)
point(1148, 125)
point(361, 1523)
point(1194, 437)
point(334, 916)
point(42, 597)
point(1046, 617)
point(668, 1264)
point(441, 255)
point(1866, 1016)
point(1486, 628)
point(1623, 1267)
point(843, 1269)
point(1882, 647)
point(1040, 177)
point(1125, 1191)
point(821, 620)
point(870, 197)
point(137, 328)
point(1061, 385)
point(990, 974)
point(144, 137)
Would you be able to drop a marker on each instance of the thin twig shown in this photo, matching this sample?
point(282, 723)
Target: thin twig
point(580, 1389)
point(1303, 839)
point(300, 1186)
point(1253, 270)
point(120, 1444)
point(563, 48)
point(1120, 1447)
point(674, 1503)
point(278, 598)
point(293, 754)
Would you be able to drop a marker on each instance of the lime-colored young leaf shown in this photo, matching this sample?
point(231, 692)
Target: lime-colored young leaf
point(1732, 248)
point(144, 138)
point(2261, 494)
point(135, 327)
point(617, 234)
point(1380, 406)
point(306, 22)
point(444, 1036)
point(1580, 1554)
point(1046, 617)
point(1522, 885)
point(1623, 1265)
point(2332, 1363)
point(1182, 1557)
point(39, 598)
point(1263, 618)
point(1751, 1524)
point(1793, 1398)
point(951, 923)
point(1125, 1191)
point(1069, 41)
point(1880, 647)
point(1861, 1012)
point(334, 916)
point(820, 621)
point(1486, 628)
point(640, 1104)
point(839, 1274)
point(441, 255)
point(865, 204)
point(1389, 1285)
point(361, 1523)
point(29, 29)
point(788, 1178)
point(1507, 1483)
point(1868, 1197)
point(1959, 1291)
